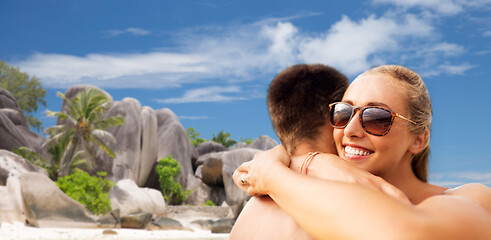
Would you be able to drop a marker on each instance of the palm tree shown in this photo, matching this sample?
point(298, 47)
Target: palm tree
point(55, 150)
point(224, 138)
point(83, 128)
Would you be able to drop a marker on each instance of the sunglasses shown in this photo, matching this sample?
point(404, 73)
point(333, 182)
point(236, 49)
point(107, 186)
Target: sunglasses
point(374, 120)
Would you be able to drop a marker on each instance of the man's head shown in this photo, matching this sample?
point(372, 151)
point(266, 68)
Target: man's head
point(298, 101)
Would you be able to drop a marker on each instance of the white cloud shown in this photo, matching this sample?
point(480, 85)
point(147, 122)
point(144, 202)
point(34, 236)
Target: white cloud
point(208, 94)
point(441, 6)
point(454, 179)
point(487, 33)
point(283, 41)
point(447, 69)
point(483, 52)
point(131, 31)
point(448, 49)
point(348, 45)
point(138, 31)
point(214, 3)
point(445, 7)
point(460, 69)
point(157, 69)
point(249, 52)
point(476, 176)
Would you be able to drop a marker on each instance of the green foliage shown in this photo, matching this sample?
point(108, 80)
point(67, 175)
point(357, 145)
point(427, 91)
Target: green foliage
point(84, 128)
point(27, 91)
point(91, 191)
point(247, 140)
point(167, 169)
point(36, 159)
point(223, 138)
point(56, 150)
point(193, 136)
point(51, 167)
point(208, 203)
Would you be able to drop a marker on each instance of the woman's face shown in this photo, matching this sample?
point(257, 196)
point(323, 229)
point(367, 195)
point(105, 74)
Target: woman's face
point(380, 155)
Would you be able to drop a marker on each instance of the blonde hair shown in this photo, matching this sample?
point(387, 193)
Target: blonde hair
point(419, 109)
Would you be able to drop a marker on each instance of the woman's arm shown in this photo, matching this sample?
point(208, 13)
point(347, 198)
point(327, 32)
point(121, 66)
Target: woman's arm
point(339, 210)
point(328, 167)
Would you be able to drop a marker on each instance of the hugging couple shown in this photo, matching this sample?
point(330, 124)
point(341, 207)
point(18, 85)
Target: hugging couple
point(352, 163)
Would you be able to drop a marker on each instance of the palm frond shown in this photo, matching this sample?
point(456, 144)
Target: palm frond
point(103, 135)
point(109, 122)
point(103, 146)
point(58, 134)
point(67, 157)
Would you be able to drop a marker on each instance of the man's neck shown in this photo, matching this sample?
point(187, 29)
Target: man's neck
point(302, 149)
point(324, 143)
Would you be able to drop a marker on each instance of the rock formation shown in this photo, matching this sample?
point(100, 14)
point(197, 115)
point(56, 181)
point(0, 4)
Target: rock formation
point(129, 198)
point(11, 206)
point(13, 165)
point(14, 131)
point(173, 140)
point(147, 135)
point(46, 205)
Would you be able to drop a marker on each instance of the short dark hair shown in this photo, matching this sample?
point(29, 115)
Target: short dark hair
point(298, 101)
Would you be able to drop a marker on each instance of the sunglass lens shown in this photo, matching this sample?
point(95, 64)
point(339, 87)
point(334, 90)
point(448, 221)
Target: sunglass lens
point(340, 114)
point(376, 121)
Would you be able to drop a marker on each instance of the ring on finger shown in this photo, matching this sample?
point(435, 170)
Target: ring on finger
point(242, 179)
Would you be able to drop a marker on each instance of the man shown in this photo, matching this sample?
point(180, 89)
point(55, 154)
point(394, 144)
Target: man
point(298, 103)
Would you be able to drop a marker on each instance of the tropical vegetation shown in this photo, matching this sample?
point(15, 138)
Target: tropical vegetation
point(208, 203)
point(223, 138)
point(193, 136)
point(167, 169)
point(27, 91)
point(247, 140)
point(82, 129)
point(91, 191)
point(51, 166)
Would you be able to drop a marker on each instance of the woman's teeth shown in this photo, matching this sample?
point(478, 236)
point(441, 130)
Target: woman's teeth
point(355, 151)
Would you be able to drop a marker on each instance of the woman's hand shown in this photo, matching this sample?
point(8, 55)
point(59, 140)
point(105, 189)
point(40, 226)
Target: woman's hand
point(253, 176)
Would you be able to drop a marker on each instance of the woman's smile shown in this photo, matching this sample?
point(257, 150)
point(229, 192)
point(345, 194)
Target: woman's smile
point(353, 152)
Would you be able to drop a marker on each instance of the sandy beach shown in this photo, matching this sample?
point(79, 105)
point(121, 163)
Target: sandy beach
point(19, 231)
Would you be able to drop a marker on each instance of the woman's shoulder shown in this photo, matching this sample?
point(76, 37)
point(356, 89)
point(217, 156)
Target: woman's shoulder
point(465, 211)
point(476, 192)
point(469, 189)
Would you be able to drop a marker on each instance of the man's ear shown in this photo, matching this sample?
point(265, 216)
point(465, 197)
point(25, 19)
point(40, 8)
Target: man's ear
point(419, 142)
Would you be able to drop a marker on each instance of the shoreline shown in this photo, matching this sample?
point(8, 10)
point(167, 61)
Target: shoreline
point(19, 231)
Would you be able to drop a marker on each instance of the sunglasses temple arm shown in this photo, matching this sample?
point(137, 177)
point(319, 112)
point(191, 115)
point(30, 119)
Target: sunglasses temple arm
point(407, 119)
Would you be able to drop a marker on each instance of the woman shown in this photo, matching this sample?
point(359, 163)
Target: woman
point(382, 127)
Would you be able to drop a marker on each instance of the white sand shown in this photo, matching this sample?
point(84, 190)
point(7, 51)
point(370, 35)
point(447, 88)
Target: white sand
point(20, 231)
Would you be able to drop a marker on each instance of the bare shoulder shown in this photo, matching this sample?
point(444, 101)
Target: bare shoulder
point(476, 192)
point(459, 213)
point(473, 197)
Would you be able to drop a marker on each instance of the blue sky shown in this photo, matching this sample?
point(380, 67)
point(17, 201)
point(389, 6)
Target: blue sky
point(211, 61)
